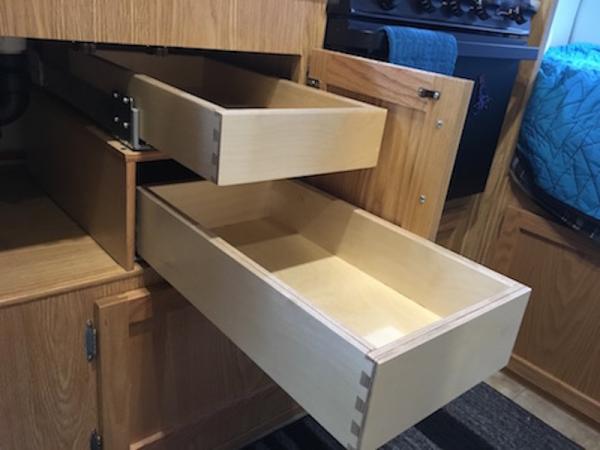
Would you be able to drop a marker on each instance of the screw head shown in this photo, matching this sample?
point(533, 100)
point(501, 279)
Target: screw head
point(126, 125)
point(422, 199)
point(116, 119)
point(439, 123)
point(115, 94)
point(125, 100)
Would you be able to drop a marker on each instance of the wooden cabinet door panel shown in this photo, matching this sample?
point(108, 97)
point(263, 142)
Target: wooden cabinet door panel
point(168, 378)
point(409, 184)
point(558, 344)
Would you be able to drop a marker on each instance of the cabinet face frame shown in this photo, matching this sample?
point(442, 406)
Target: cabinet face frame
point(230, 25)
point(348, 383)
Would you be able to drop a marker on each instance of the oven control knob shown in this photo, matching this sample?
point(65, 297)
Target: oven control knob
point(478, 9)
point(514, 14)
point(453, 6)
point(426, 6)
point(387, 4)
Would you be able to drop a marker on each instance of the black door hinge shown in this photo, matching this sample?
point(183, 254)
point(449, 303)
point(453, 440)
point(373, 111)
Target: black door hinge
point(313, 82)
point(91, 341)
point(95, 441)
point(428, 93)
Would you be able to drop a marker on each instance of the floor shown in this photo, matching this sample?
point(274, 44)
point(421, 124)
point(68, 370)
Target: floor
point(559, 418)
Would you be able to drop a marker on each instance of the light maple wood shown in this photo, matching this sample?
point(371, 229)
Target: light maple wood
point(169, 379)
point(89, 174)
point(234, 126)
point(557, 348)
point(409, 184)
point(268, 26)
point(42, 251)
point(323, 296)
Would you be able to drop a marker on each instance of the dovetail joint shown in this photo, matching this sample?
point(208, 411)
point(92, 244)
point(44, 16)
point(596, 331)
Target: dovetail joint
point(365, 380)
point(355, 429)
point(360, 405)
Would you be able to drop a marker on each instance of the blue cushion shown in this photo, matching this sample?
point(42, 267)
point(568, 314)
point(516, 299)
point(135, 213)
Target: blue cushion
point(560, 134)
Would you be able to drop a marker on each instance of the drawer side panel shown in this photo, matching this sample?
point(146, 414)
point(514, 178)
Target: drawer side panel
point(418, 381)
point(315, 363)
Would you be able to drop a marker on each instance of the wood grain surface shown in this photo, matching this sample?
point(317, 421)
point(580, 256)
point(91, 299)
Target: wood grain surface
point(558, 345)
point(269, 26)
point(42, 251)
point(82, 168)
point(47, 386)
point(165, 373)
point(409, 184)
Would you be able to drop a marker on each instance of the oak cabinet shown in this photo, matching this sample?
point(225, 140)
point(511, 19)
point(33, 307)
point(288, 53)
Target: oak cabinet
point(87, 346)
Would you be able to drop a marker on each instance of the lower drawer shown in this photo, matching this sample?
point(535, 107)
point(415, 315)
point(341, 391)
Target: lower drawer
point(366, 326)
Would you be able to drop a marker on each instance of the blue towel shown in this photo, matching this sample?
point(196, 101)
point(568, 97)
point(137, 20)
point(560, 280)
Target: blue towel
point(433, 51)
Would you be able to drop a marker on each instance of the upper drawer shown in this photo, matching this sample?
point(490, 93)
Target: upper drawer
point(235, 126)
point(370, 328)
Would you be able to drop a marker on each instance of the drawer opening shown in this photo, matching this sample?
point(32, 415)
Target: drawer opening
point(375, 280)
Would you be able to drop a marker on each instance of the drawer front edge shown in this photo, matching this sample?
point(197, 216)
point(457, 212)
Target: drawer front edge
point(412, 385)
point(310, 360)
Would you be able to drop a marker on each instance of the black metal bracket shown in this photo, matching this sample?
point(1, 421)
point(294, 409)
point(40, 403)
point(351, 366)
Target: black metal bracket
point(91, 343)
point(428, 93)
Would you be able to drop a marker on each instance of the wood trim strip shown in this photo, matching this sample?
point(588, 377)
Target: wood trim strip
point(485, 217)
point(112, 321)
point(555, 387)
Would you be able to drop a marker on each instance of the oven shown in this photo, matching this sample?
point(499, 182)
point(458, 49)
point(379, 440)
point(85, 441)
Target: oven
point(492, 41)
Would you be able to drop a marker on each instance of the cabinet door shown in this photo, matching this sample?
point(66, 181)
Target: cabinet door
point(168, 378)
point(557, 348)
point(426, 114)
point(47, 387)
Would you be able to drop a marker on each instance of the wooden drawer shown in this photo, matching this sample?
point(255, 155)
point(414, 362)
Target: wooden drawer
point(232, 125)
point(368, 327)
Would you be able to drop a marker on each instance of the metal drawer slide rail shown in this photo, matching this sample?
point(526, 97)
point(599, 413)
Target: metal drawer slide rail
point(116, 113)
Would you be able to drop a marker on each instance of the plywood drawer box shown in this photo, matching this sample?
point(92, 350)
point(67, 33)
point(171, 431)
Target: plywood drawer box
point(232, 125)
point(368, 327)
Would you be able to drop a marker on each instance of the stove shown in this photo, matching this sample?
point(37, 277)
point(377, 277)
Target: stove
point(492, 41)
point(500, 16)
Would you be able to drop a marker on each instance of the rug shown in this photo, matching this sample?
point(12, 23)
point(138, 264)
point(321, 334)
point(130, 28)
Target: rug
point(480, 419)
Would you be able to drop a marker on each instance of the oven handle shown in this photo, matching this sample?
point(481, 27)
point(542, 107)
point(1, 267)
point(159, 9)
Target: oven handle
point(496, 51)
point(375, 40)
